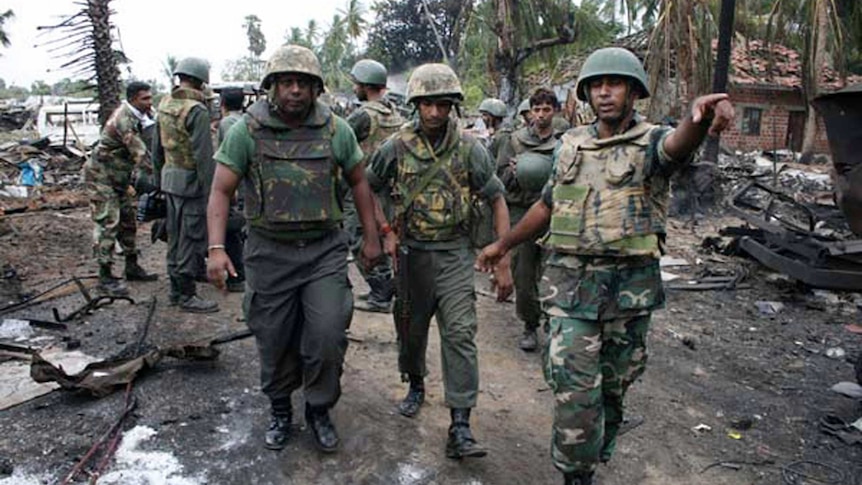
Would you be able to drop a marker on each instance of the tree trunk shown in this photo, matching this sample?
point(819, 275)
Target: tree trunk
point(722, 66)
point(811, 78)
point(107, 73)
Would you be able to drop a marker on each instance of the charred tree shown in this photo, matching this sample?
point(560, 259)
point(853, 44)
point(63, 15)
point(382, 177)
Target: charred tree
point(84, 43)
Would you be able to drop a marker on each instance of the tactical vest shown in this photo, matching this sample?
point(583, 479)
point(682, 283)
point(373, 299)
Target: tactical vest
point(291, 181)
point(384, 122)
point(441, 211)
point(603, 202)
point(175, 137)
point(522, 140)
point(179, 174)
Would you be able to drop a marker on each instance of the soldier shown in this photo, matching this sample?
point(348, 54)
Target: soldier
point(182, 158)
point(108, 175)
point(606, 205)
point(375, 120)
point(431, 170)
point(288, 151)
point(231, 101)
point(524, 114)
point(534, 144)
point(493, 113)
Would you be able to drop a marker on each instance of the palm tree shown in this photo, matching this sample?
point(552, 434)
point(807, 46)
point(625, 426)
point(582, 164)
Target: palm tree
point(4, 38)
point(168, 67)
point(354, 22)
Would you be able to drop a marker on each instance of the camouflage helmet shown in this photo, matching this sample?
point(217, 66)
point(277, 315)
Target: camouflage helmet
point(368, 71)
point(532, 170)
point(493, 107)
point(611, 61)
point(292, 58)
point(524, 106)
point(437, 80)
point(194, 67)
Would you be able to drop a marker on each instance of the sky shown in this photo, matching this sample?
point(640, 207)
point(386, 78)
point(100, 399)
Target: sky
point(150, 30)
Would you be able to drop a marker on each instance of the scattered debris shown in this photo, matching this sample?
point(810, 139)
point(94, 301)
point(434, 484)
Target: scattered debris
point(854, 328)
point(769, 307)
point(734, 435)
point(702, 428)
point(849, 389)
point(835, 353)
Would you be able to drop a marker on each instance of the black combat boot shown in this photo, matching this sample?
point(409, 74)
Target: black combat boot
point(134, 272)
point(175, 292)
point(190, 302)
point(280, 421)
point(379, 300)
point(461, 443)
point(322, 428)
point(578, 478)
point(529, 341)
point(409, 407)
point(108, 285)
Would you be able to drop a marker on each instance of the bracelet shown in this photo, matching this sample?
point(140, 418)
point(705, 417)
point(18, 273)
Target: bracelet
point(385, 229)
point(215, 246)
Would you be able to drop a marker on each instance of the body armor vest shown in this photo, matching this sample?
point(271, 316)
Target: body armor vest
point(384, 122)
point(441, 210)
point(173, 112)
point(603, 202)
point(290, 183)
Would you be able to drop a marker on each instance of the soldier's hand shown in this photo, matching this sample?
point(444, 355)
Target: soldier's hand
point(390, 247)
point(370, 253)
point(219, 267)
point(489, 257)
point(503, 280)
point(714, 107)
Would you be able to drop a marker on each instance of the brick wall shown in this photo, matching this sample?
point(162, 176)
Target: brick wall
point(776, 106)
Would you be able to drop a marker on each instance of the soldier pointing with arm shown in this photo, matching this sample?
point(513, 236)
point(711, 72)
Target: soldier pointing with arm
point(288, 151)
point(606, 204)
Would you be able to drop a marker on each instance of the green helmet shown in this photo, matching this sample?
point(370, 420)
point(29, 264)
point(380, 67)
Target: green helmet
point(368, 71)
point(292, 58)
point(533, 170)
point(438, 80)
point(611, 61)
point(195, 67)
point(524, 106)
point(493, 107)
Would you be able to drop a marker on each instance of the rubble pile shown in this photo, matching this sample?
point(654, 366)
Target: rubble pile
point(35, 175)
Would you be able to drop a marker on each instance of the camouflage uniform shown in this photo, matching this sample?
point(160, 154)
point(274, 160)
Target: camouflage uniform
point(298, 300)
point(182, 155)
point(372, 123)
point(440, 259)
point(108, 175)
point(609, 204)
point(527, 256)
point(500, 139)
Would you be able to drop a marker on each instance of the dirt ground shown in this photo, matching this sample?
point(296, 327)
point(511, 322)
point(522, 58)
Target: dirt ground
point(760, 383)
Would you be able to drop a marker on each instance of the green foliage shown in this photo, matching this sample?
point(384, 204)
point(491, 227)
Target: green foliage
point(245, 68)
point(401, 36)
point(256, 39)
point(4, 38)
point(40, 88)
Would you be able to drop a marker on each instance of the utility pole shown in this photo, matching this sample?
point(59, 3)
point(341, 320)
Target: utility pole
point(722, 67)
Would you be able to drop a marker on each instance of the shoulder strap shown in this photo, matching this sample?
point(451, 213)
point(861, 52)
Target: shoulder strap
point(423, 182)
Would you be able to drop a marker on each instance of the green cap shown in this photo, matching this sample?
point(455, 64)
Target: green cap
point(494, 107)
point(195, 67)
point(368, 71)
point(532, 170)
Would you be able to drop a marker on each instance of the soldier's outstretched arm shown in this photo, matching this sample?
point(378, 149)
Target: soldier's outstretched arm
point(709, 114)
point(529, 227)
point(219, 264)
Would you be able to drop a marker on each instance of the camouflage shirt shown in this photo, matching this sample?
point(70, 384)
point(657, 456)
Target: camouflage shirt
point(119, 151)
point(383, 175)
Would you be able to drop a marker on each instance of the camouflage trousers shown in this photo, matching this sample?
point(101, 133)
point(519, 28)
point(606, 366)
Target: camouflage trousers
point(589, 365)
point(113, 212)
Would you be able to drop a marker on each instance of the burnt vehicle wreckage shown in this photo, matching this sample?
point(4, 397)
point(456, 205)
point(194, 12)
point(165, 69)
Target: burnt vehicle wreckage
point(819, 245)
